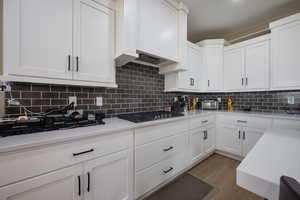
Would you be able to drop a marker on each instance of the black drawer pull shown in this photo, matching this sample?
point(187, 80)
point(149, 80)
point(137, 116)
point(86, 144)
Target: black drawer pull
point(241, 121)
point(89, 182)
point(69, 62)
point(169, 170)
point(205, 121)
point(77, 63)
point(79, 186)
point(168, 149)
point(84, 152)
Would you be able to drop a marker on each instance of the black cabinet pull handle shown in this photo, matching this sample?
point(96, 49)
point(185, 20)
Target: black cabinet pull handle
point(246, 80)
point(168, 149)
point(241, 121)
point(205, 121)
point(169, 170)
point(205, 135)
point(239, 134)
point(79, 186)
point(242, 81)
point(89, 182)
point(77, 63)
point(208, 83)
point(84, 152)
point(244, 135)
point(69, 62)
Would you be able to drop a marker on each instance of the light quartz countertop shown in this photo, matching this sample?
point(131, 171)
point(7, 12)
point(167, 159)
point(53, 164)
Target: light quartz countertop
point(113, 125)
point(276, 154)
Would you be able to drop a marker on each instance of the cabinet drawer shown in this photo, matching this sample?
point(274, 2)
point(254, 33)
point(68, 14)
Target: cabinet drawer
point(286, 124)
point(16, 166)
point(252, 122)
point(149, 178)
point(152, 133)
point(149, 154)
point(201, 121)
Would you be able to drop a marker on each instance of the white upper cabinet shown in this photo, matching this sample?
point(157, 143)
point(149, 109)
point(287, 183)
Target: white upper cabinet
point(212, 74)
point(257, 65)
point(189, 80)
point(59, 42)
point(234, 69)
point(247, 65)
point(94, 42)
point(38, 43)
point(285, 53)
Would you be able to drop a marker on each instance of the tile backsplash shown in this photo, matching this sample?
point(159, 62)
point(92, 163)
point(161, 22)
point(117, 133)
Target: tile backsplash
point(141, 88)
point(269, 101)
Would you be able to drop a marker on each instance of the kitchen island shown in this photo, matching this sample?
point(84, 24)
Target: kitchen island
point(275, 154)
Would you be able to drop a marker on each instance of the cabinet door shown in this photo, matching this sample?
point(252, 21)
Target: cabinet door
point(38, 38)
point(234, 69)
point(191, 78)
point(158, 29)
point(59, 185)
point(285, 56)
point(213, 68)
point(94, 39)
point(110, 177)
point(231, 139)
point(209, 139)
point(257, 65)
point(250, 138)
point(196, 145)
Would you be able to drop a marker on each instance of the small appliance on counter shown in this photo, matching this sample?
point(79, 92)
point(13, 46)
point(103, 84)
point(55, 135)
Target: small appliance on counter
point(57, 119)
point(179, 104)
point(210, 105)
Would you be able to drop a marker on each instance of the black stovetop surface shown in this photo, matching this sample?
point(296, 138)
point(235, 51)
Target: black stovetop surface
point(149, 116)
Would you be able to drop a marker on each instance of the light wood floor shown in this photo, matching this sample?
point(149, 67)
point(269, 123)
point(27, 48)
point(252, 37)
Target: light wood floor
point(220, 172)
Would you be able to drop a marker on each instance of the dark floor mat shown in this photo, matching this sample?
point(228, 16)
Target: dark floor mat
point(187, 187)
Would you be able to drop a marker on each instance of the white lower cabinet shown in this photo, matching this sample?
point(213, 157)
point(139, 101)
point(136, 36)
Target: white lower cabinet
point(229, 139)
point(202, 142)
point(196, 145)
point(237, 140)
point(148, 179)
point(65, 184)
point(160, 155)
point(107, 178)
point(110, 177)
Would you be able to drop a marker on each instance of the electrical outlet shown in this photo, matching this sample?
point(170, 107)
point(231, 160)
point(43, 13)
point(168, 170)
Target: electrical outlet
point(291, 100)
point(99, 101)
point(73, 99)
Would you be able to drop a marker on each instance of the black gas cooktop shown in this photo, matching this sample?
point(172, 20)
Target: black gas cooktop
point(149, 116)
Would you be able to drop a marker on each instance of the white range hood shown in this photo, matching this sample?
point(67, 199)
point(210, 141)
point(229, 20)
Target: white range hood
point(152, 33)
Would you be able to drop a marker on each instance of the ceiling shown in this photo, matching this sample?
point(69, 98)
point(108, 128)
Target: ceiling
point(209, 19)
